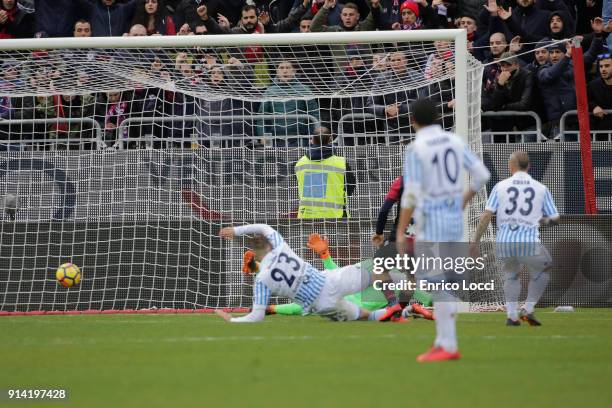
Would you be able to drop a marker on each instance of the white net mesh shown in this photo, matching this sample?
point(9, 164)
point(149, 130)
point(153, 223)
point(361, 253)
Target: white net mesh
point(168, 144)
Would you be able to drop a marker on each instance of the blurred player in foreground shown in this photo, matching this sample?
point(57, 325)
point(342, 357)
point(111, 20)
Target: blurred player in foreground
point(282, 273)
point(434, 166)
point(368, 299)
point(521, 205)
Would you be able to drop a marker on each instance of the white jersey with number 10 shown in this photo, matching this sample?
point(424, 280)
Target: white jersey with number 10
point(434, 168)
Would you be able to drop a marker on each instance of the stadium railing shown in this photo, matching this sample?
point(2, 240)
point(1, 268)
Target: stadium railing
point(350, 118)
point(358, 118)
point(522, 135)
point(599, 135)
point(195, 136)
point(98, 139)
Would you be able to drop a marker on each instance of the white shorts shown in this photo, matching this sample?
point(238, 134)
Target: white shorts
point(534, 264)
point(341, 282)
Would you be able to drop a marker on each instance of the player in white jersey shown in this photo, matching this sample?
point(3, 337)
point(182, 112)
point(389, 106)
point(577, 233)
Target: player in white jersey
point(283, 273)
point(521, 205)
point(434, 194)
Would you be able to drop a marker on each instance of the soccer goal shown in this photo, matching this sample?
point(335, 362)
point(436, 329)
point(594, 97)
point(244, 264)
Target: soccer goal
point(125, 156)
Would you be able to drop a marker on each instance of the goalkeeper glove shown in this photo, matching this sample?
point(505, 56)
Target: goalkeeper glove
point(249, 264)
point(319, 244)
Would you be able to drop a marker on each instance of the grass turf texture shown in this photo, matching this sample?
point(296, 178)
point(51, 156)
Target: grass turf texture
point(200, 360)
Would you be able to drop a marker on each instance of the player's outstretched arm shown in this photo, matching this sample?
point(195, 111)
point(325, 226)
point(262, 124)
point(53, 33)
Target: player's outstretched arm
point(490, 209)
point(261, 297)
point(270, 233)
point(483, 223)
point(255, 316)
point(378, 238)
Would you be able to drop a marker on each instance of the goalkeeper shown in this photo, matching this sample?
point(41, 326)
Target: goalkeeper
point(369, 299)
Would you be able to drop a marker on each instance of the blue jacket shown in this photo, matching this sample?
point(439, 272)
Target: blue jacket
point(56, 17)
point(557, 88)
point(109, 21)
point(531, 20)
point(556, 82)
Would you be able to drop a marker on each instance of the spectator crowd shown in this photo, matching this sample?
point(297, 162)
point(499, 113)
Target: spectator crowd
point(527, 66)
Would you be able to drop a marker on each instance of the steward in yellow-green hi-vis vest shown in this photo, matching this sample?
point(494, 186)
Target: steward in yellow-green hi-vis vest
point(321, 187)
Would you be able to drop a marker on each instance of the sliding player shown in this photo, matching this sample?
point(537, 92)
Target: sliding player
point(283, 273)
point(434, 166)
point(368, 299)
point(521, 205)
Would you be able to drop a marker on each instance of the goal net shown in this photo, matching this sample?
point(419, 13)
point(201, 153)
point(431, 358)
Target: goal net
point(126, 156)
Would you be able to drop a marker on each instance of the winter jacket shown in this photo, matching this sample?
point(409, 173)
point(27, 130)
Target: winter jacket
point(223, 109)
point(333, 17)
point(600, 94)
point(163, 25)
point(20, 23)
point(109, 21)
point(514, 95)
point(237, 79)
point(386, 93)
point(531, 20)
point(536, 96)
point(186, 11)
point(527, 35)
point(557, 88)
point(371, 22)
point(554, 5)
point(282, 126)
point(284, 26)
point(557, 82)
point(277, 9)
point(428, 19)
point(57, 17)
point(81, 106)
point(489, 74)
point(390, 10)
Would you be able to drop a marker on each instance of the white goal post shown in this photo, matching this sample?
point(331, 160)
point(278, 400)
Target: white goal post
point(127, 154)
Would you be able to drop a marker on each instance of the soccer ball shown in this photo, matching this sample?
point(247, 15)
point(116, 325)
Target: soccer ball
point(68, 275)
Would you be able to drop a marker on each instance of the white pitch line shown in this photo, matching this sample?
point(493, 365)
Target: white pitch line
point(208, 339)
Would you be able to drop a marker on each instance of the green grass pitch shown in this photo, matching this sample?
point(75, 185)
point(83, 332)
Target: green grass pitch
point(202, 361)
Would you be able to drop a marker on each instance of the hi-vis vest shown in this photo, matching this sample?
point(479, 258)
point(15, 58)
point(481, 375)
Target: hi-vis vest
point(321, 187)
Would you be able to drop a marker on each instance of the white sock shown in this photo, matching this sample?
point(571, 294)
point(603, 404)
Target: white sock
point(512, 290)
point(537, 286)
point(376, 314)
point(446, 333)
